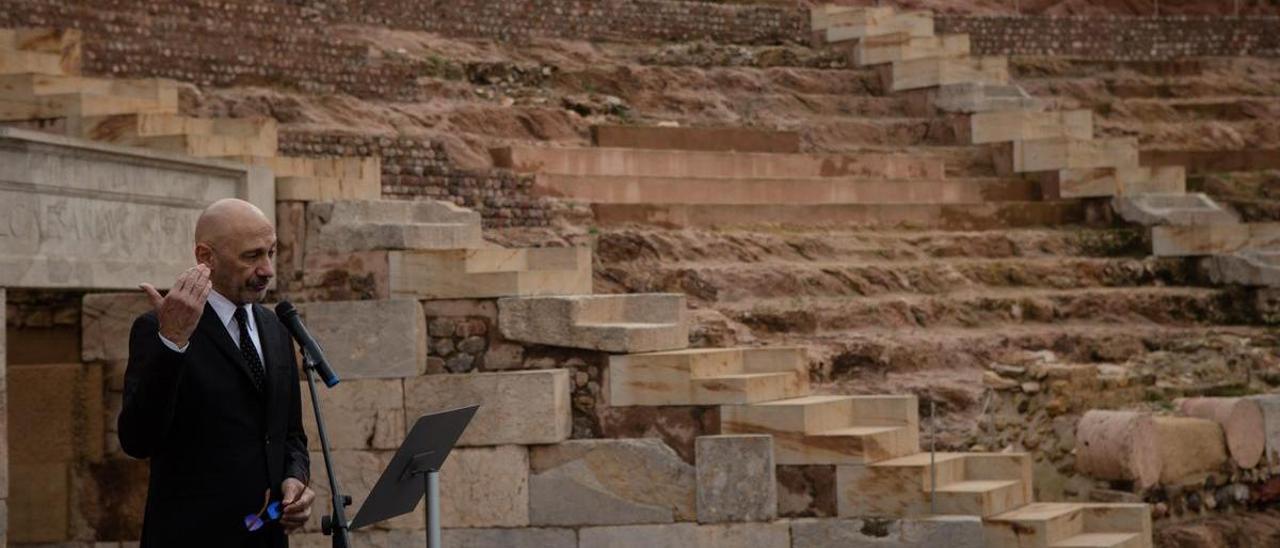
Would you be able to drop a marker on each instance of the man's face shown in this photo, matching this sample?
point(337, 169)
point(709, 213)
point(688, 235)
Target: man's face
point(241, 264)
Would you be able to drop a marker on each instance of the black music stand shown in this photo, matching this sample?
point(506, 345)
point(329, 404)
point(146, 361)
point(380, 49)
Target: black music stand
point(421, 455)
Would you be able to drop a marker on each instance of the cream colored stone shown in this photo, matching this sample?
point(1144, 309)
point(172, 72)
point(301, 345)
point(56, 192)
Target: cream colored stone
point(993, 127)
point(486, 487)
point(359, 414)
point(830, 429)
point(1099, 182)
point(39, 507)
point(370, 339)
point(948, 531)
point(1175, 208)
point(874, 22)
point(62, 230)
point(708, 376)
point(491, 272)
point(967, 484)
point(106, 320)
point(609, 482)
point(1189, 448)
point(904, 47)
point(1241, 421)
point(367, 225)
point(1052, 154)
point(667, 535)
point(528, 537)
point(610, 323)
point(1118, 445)
point(1213, 239)
point(358, 471)
point(518, 407)
point(934, 72)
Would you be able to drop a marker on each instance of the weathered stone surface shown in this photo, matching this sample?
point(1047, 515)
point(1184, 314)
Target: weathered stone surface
point(670, 535)
point(369, 225)
point(483, 308)
point(1270, 404)
point(49, 412)
point(1189, 447)
point(1059, 153)
point(731, 535)
point(904, 47)
point(696, 138)
point(608, 482)
point(486, 487)
point(968, 98)
point(39, 507)
point(932, 72)
point(1113, 181)
point(372, 538)
point(950, 531)
point(1118, 445)
point(868, 23)
point(490, 272)
point(610, 323)
point(1256, 268)
point(677, 426)
point(358, 471)
point(806, 491)
point(359, 414)
point(1241, 421)
point(63, 232)
point(106, 319)
point(519, 407)
point(708, 376)
point(529, 537)
point(291, 240)
point(1178, 209)
point(1213, 239)
point(993, 127)
point(370, 339)
point(736, 479)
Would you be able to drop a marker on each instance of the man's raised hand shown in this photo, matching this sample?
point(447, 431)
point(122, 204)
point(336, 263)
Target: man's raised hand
point(179, 311)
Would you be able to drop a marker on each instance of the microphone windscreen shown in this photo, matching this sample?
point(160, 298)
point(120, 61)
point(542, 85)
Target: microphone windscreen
point(284, 309)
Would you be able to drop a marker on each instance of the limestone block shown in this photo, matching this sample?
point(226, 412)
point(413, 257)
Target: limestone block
point(971, 97)
point(1241, 421)
point(708, 376)
point(830, 429)
point(738, 139)
point(486, 487)
point(993, 127)
point(343, 226)
point(1118, 445)
point(871, 23)
point(490, 272)
point(736, 479)
point(1120, 518)
point(1052, 154)
point(359, 471)
point(345, 276)
point(519, 407)
point(1212, 239)
point(1177, 208)
point(291, 232)
point(529, 537)
point(933, 72)
point(609, 482)
point(1098, 182)
point(733, 535)
point(39, 505)
point(102, 217)
point(47, 408)
point(106, 319)
point(359, 414)
point(367, 537)
point(904, 47)
point(669, 535)
point(370, 339)
point(825, 16)
point(594, 163)
point(1189, 448)
point(66, 43)
point(949, 531)
point(610, 323)
point(1249, 268)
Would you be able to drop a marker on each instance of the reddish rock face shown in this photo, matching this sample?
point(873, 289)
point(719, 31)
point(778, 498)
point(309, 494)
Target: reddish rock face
point(806, 491)
point(678, 426)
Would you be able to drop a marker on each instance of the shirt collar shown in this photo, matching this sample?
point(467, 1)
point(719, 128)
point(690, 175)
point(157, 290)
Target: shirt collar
point(226, 310)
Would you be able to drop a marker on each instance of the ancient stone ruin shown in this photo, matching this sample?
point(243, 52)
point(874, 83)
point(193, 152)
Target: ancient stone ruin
point(719, 274)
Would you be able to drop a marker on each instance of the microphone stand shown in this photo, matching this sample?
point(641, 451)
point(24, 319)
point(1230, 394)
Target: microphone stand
point(335, 524)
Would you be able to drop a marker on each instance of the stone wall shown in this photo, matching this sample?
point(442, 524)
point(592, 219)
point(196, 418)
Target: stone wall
point(1120, 38)
point(416, 168)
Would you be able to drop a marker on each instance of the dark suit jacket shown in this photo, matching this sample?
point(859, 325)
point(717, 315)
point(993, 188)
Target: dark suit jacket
point(215, 442)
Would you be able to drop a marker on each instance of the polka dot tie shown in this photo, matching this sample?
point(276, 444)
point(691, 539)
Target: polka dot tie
point(248, 351)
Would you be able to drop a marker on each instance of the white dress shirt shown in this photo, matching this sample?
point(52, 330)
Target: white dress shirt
point(226, 311)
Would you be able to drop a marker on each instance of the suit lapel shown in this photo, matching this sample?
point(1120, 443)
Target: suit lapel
point(270, 341)
point(212, 326)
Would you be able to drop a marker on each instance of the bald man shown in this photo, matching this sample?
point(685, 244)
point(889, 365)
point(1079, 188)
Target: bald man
point(211, 395)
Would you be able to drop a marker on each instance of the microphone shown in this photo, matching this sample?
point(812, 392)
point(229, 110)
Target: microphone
point(289, 317)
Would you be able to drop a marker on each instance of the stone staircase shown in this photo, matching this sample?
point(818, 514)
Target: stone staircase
point(40, 87)
point(608, 323)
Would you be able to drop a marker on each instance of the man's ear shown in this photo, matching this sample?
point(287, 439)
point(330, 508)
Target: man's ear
point(204, 254)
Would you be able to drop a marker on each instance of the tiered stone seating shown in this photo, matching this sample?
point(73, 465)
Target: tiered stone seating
point(435, 250)
point(830, 429)
point(715, 376)
point(609, 323)
point(39, 82)
point(973, 484)
point(1040, 525)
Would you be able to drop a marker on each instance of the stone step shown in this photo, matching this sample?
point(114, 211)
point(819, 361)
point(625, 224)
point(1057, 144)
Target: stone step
point(30, 87)
point(1059, 153)
point(823, 17)
point(316, 189)
point(78, 104)
point(712, 164)
point(1103, 540)
point(1213, 239)
point(867, 23)
point(977, 484)
point(322, 179)
point(30, 62)
point(65, 43)
point(711, 139)
point(1113, 181)
point(830, 429)
point(1254, 268)
point(620, 324)
point(126, 127)
point(934, 72)
point(366, 225)
point(206, 146)
point(1172, 306)
point(970, 98)
point(995, 127)
point(892, 48)
point(1048, 525)
point(1172, 208)
point(490, 272)
point(708, 376)
point(766, 191)
point(976, 216)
